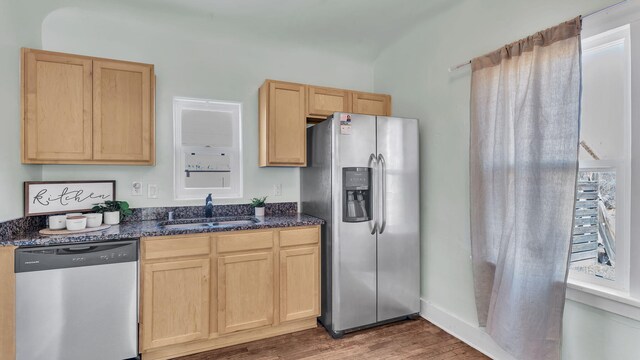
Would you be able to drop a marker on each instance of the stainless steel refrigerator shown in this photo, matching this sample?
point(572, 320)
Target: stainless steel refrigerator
point(362, 178)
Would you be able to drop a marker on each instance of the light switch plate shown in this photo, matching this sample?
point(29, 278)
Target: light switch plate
point(152, 191)
point(277, 190)
point(136, 188)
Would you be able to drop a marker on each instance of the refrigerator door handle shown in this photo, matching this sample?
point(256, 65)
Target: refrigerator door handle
point(383, 192)
point(373, 161)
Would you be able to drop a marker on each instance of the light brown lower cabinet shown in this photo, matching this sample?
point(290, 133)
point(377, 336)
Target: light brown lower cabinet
point(214, 290)
point(299, 283)
point(245, 291)
point(7, 303)
point(175, 302)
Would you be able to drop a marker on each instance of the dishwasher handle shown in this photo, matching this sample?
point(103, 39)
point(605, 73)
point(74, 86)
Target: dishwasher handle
point(80, 249)
point(85, 249)
point(70, 256)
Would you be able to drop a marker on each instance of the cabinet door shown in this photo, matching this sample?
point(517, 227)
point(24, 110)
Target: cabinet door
point(322, 102)
point(175, 302)
point(56, 108)
point(245, 291)
point(299, 283)
point(122, 112)
point(371, 104)
point(286, 125)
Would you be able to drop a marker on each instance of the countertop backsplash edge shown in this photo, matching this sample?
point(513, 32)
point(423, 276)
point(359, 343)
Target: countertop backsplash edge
point(21, 227)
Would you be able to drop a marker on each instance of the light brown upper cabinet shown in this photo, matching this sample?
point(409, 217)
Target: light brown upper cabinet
point(57, 107)
point(121, 111)
point(372, 104)
point(282, 124)
point(83, 110)
point(285, 109)
point(322, 102)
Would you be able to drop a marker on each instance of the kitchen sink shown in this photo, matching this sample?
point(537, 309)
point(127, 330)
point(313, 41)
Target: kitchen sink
point(207, 223)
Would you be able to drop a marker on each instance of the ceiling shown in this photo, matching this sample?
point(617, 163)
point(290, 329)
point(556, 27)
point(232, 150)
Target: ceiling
point(362, 28)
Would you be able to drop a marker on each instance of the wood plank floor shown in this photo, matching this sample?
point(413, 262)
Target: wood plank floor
point(410, 339)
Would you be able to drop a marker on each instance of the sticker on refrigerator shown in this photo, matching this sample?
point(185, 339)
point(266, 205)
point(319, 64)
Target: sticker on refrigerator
point(345, 124)
point(345, 119)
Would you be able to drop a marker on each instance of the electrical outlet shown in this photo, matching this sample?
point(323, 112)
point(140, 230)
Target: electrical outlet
point(277, 190)
point(136, 188)
point(152, 191)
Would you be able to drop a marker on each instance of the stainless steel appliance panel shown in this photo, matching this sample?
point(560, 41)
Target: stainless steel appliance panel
point(399, 232)
point(315, 200)
point(70, 312)
point(354, 246)
point(370, 269)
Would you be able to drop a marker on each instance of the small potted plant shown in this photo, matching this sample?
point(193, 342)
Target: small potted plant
point(258, 205)
point(113, 211)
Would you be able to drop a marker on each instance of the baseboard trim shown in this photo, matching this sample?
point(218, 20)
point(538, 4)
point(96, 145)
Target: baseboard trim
point(471, 334)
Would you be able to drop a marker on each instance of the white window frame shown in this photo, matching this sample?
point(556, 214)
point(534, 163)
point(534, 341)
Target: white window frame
point(623, 301)
point(612, 37)
point(180, 190)
point(621, 282)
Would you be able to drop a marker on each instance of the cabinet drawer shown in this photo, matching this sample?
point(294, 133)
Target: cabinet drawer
point(161, 248)
point(245, 241)
point(299, 236)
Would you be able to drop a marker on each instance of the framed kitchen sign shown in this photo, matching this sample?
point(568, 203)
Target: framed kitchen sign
point(59, 197)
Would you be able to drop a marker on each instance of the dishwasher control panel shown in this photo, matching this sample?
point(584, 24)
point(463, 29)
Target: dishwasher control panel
point(68, 256)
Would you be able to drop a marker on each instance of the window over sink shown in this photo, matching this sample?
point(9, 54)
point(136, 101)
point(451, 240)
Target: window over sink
point(207, 148)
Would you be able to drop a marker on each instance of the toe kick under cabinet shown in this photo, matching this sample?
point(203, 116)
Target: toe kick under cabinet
point(206, 291)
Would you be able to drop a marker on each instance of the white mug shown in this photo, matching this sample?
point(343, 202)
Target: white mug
point(76, 223)
point(112, 217)
point(57, 222)
point(94, 220)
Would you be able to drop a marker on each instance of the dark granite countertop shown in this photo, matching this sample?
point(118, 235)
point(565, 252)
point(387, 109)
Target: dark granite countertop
point(137, 229)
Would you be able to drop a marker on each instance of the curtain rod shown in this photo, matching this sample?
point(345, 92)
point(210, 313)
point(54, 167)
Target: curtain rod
point(461, 65)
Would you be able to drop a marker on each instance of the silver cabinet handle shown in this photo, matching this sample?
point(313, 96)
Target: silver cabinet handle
point(374, 228)
point(383, 190)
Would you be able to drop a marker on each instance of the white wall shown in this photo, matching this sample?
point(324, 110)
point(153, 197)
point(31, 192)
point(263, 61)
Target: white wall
point(414, 71)
point(191, 61)
point(12, 173)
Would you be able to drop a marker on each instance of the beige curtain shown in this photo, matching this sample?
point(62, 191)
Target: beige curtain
point(525, 110)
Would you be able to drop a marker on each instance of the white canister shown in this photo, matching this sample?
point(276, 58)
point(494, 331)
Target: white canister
point(57, 222)
point(112, 217)
point(73, 214)
point(94, 220)
point(259, 211)
point(76, 223)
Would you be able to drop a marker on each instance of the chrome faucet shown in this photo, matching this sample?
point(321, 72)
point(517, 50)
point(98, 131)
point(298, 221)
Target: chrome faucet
point(208, 207)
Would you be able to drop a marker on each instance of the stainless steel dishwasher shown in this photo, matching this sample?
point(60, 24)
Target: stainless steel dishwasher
point(77, 301)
